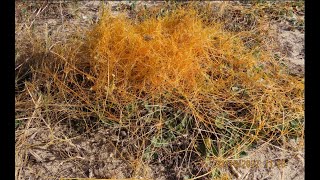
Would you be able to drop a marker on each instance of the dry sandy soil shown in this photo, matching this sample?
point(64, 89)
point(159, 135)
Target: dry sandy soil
point(60, 151)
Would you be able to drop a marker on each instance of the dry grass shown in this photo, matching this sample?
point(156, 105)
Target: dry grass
point(181, 87)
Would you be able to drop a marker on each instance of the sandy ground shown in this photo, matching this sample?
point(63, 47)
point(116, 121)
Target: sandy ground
point(292, 43)
point(58, 151)
point(67, 154)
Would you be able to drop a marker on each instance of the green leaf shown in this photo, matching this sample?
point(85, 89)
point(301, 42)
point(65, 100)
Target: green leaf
point(219, 122)
point(215, 150)
point(294, 124)
point(243, 154)
point(17, 123)
point(157, 142)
